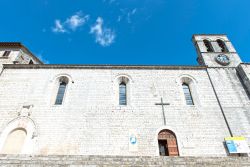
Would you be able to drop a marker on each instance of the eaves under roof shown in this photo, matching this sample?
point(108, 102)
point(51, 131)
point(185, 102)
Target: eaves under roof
point(245, 63)
point(61, 66)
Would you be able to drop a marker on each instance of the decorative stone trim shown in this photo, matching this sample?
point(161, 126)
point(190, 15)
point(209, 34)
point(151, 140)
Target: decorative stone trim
point(25, 123)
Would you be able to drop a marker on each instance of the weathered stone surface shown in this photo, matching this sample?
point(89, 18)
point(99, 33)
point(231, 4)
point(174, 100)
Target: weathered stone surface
point(121, 161)
point(91, 122)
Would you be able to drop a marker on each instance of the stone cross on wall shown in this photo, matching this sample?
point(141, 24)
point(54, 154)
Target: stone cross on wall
point(163, 112)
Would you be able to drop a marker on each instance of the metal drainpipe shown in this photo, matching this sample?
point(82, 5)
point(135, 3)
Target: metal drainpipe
point(2, 71)
point(222, 111)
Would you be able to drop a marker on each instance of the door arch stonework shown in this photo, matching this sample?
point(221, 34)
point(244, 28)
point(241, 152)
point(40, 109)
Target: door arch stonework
point(167, 143)
point(29, 126)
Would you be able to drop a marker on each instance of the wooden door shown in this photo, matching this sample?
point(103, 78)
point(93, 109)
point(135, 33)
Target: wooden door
point(167, 143)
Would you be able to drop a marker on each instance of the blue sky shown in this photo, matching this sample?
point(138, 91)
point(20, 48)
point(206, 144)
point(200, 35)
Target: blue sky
point(122, 31)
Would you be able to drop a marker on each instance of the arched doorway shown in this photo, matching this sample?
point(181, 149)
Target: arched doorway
point(167, 143)
point(14, 142)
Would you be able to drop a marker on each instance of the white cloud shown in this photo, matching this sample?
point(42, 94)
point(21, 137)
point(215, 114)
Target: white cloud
point(109, 1)
point(127, 15)
point(76, 21)
point(58, 27)
point(71, 23)
point(131, 13)
point(104, 36)
point(119, 18)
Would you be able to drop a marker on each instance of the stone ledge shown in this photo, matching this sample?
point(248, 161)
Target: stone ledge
point(105, 66)
point(115, 161)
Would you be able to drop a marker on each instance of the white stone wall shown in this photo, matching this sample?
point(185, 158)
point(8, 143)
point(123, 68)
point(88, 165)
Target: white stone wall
point(7, 60)
point(234, 100)
point(244, 72)
point(90, 121)
point(12, 56)
point(16, 55)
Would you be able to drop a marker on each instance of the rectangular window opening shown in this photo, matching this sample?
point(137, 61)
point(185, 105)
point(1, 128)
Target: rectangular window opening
point(6, 53)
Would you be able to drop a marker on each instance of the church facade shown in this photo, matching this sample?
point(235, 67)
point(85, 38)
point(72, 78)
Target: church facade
point(124, 110)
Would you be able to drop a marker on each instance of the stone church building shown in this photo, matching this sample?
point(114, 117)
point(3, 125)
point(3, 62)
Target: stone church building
point(124, 110)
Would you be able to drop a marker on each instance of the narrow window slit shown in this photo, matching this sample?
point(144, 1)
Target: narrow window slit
point(122, 94)
point(187, 94)
point(61, 92)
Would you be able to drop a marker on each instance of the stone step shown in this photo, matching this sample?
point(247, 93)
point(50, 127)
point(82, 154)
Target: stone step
point(120, 161)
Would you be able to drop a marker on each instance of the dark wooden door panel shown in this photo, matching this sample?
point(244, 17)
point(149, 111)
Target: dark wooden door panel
point(170, 142)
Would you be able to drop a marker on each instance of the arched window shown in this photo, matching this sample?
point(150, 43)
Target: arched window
point(122, 87)
point(15, 141)
point(123, 93)
point(208, 45)
point(187, 93)
point(167, 143)
point(222, 46)
point(63, 82)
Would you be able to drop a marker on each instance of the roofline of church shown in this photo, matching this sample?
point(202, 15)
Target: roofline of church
point(194, 35)
point(245, 63)
point(79, 66)
point(20, 45)
point(209, 35)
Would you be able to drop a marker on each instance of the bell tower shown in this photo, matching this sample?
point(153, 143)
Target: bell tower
point(215, 50)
